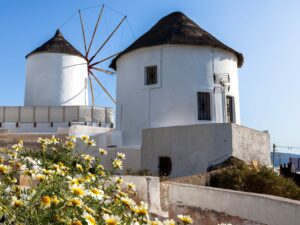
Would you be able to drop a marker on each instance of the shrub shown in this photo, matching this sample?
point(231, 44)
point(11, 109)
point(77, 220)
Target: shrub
point(73, 188)
point(255, 178)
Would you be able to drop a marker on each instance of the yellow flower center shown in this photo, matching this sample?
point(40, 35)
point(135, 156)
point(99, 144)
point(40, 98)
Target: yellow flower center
point(111, 221)
point(46, 200)
point(78, 191)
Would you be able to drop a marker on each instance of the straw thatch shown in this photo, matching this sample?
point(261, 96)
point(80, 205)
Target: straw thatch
point(57, 44)
point(177, 28)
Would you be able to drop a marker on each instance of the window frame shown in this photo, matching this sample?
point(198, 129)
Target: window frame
point(146, 78)
point(206, 116)
point(232, 117)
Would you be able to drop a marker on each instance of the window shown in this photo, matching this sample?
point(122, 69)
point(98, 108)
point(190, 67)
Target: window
point(229, 109)
point(150, 75)
point(204, 106)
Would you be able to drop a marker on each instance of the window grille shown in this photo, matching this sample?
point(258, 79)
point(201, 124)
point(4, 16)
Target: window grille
point(229, 109)
point(150, 75)
point(204, 106)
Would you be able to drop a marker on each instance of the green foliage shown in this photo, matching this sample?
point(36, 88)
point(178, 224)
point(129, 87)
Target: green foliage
point(68, 187)
point(255, 178)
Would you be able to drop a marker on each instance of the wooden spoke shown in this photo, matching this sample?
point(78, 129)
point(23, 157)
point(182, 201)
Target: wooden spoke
point(104, 59)
point(83, 32)
point(92, 91)
point(104, 43)
point(95, 30)
point(104, 71)
point(104, 89)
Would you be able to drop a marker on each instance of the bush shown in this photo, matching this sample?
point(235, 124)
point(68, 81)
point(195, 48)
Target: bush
point(255, 178)
point(73, 188)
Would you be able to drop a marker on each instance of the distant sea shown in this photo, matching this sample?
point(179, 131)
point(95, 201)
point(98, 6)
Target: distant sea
point(282, 158)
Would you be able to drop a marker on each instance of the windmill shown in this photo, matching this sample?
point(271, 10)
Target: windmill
point(93, 65)
point(222, 85)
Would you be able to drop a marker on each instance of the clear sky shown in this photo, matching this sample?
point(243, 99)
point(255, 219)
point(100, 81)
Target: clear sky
point(267, 33)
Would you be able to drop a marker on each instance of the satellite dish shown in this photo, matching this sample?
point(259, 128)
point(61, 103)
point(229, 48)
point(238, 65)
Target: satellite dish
point(222, 83)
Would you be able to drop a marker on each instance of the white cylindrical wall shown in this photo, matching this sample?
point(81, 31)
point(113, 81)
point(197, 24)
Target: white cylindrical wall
point(182, 72)
point(56, 79)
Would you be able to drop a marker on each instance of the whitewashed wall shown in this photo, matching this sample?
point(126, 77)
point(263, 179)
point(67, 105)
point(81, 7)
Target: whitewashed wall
point(55, 79)
point(182, 72)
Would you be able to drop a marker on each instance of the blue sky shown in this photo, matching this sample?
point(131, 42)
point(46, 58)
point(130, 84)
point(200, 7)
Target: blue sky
point(266, 32)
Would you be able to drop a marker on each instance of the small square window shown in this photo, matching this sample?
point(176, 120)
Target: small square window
point(150, 75)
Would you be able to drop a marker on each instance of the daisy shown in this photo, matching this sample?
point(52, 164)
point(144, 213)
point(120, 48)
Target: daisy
point(77, 190)
point(131, 186)
point(75, 202)
point(102, 151)
point(89, 218)
point(121, 155)
point(111, 219)
point(117, 164)
point(169, 222)
point(185, 219)
point(46, 201)
point(16, 202)
point(4, 169)
point(96, 193)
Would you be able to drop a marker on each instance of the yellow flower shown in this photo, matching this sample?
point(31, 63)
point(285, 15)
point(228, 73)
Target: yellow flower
point(79, 167)
point(111, 219)
point(185, 219)
point(55, 200)
point(54, 140)
point(102, 151)
point(85, 138)
point(91, 143)
point(72, 138)
point(75, 202)
point(89, 210)
point(46, 201)
point(89, 219)
point(78, 190)
point(4, 169)
point(70, 144)
point(127, 201)
point(76, 222)
point(17, 202)
point(19, 146)
point(169, 222)
point(142, 209)
point(117, 164)
point(121, 155)
point(156, 222)
point(119, 180)
point(40, 177)
point(131, 186)
point(88, 158)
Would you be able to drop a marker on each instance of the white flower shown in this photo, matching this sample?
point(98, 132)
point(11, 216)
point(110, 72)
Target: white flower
point(121, 155)
point(96, 193)
point(89, 218)
point(102, 151)
point(131, 186)
point(111, 219)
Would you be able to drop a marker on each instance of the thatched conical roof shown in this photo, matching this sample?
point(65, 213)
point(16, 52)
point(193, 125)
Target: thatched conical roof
point(177, 28)
point(57, 44)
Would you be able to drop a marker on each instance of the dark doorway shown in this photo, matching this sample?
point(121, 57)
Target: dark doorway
point(165, 166)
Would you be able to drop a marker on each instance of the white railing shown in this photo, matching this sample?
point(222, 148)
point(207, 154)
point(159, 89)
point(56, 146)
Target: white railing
point(55, 114)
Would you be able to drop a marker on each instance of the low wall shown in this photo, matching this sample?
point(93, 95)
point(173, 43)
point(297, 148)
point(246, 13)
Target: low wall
point(193, 148)
point(251, 208)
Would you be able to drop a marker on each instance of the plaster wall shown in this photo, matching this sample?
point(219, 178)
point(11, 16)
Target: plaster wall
point(194, 148)
point(261, 209)
point(55, 79)
point(182, 72)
